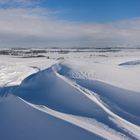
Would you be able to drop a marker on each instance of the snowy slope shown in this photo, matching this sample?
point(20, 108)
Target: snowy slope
point(20, 121)
point(86, 96)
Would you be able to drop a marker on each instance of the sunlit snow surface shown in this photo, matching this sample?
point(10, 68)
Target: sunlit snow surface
point(85, 96)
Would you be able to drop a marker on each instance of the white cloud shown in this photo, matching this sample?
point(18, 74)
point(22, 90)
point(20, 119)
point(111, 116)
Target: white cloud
point(21, 27)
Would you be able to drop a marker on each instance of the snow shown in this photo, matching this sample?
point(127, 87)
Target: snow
point(87, 95)
point(20, 121)
point(136, 62)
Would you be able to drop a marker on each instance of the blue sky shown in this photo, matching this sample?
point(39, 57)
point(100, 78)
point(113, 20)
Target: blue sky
point(95, 10)
point(100, 11)
point(69, 23)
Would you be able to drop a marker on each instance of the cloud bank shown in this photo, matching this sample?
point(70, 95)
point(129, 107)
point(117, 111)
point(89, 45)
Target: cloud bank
point(34, 27)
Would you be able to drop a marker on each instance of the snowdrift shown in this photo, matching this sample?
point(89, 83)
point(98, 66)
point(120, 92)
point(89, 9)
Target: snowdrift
point(74, 103)
point(123, 102)
point(130, 63)
point(19, 121)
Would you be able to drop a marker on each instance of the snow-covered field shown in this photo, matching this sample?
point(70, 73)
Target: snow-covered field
point(85, 95)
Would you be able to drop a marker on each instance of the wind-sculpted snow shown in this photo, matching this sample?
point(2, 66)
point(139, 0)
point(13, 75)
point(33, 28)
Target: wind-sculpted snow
point(124, 102)
point(130, 63)
point(18, 121)
point(47, 88)
point(60, 103)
